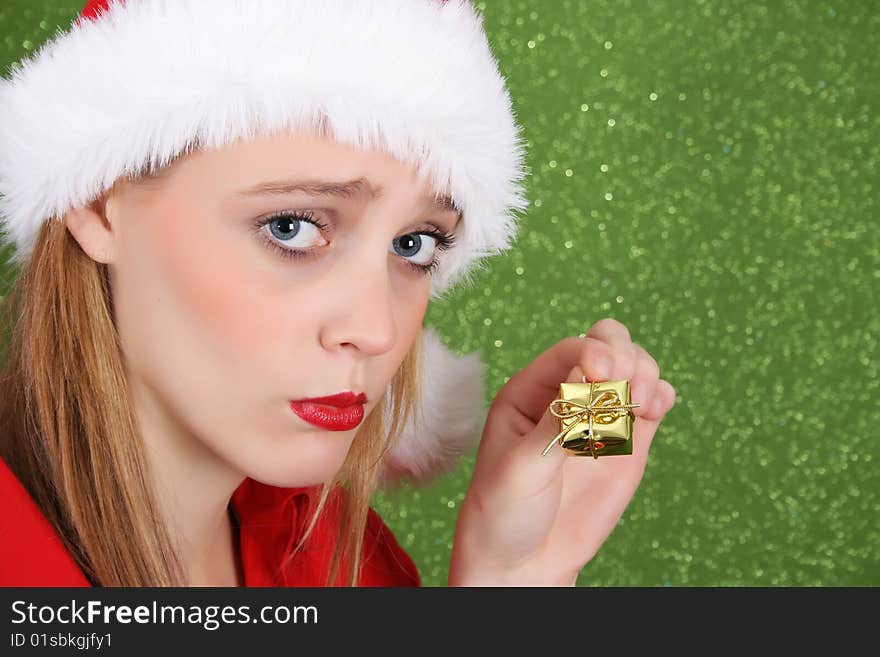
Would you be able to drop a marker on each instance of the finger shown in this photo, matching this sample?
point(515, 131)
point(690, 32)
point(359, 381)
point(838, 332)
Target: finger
point(664, 400)
point(532, 469)
point(597, 360)
point(611, 331)
point(602, 362)
point(669, 395)
point(643, 384)
point(531, 390)
point(616, 337)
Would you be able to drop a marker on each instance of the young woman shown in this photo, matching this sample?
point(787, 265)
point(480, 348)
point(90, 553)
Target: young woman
point(229, 220)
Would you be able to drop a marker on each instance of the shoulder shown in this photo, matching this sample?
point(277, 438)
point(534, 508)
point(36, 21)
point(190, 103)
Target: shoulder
point(31, 552)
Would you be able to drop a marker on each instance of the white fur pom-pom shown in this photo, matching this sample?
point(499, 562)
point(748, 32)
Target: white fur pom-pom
point(452, 416)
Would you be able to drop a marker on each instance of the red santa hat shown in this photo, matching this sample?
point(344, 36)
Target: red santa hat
point(134, 83)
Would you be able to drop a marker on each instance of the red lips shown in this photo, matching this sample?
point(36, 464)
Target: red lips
point(341, 412)
point(340, 400)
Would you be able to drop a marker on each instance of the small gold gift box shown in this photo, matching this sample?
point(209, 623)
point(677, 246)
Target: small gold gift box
point(595, 419)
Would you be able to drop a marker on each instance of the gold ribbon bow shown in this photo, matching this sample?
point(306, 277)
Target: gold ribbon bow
point(604, 409)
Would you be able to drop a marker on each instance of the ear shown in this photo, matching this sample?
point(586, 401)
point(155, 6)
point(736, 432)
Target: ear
point(91, 229)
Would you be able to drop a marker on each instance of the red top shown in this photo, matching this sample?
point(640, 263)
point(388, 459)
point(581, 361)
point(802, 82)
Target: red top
point(271, 522)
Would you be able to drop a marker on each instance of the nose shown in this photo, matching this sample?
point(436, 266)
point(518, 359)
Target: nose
point(358, 308)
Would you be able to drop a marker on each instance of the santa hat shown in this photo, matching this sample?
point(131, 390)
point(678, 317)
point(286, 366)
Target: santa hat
point(134, 83)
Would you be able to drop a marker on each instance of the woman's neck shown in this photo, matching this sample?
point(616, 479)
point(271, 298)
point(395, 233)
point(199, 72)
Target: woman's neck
point(223, 567)
point(193, 487)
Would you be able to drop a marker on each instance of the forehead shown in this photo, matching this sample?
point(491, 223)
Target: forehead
point(356, 188)
point(308, 163)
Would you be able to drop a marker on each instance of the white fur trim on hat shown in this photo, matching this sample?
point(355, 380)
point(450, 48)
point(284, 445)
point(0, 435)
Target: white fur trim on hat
point(133, 88)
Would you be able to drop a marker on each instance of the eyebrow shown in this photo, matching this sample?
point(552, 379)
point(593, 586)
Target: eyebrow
point(348, 189)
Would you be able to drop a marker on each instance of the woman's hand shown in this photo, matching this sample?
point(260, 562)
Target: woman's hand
point(537, 520)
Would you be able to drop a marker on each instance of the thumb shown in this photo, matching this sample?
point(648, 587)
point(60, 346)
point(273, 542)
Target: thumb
point(542, 469)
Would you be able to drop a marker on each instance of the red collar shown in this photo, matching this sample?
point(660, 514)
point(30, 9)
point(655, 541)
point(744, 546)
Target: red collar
point(271, 520)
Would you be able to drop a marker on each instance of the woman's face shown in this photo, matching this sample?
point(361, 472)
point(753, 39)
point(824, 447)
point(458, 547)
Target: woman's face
point(221, 327)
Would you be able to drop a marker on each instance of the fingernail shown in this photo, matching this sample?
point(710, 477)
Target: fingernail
point(575, 375)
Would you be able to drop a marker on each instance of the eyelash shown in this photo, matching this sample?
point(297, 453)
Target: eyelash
point(444, 240)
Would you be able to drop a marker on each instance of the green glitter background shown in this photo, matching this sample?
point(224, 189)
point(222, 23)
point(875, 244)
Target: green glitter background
point(706, 172)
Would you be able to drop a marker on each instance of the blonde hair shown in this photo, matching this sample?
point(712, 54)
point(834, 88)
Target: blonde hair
point(69, 432)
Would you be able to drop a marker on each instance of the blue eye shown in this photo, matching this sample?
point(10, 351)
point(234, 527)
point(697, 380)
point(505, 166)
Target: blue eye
point(284, 227)
point(410, 244)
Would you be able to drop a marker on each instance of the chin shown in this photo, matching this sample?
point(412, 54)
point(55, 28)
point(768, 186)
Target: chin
point(308, 463)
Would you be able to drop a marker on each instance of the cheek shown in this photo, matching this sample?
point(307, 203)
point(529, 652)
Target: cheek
point(191, 293)
point(410, 322)
point(414, 321)
point(219, 300)
point(221, 292)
